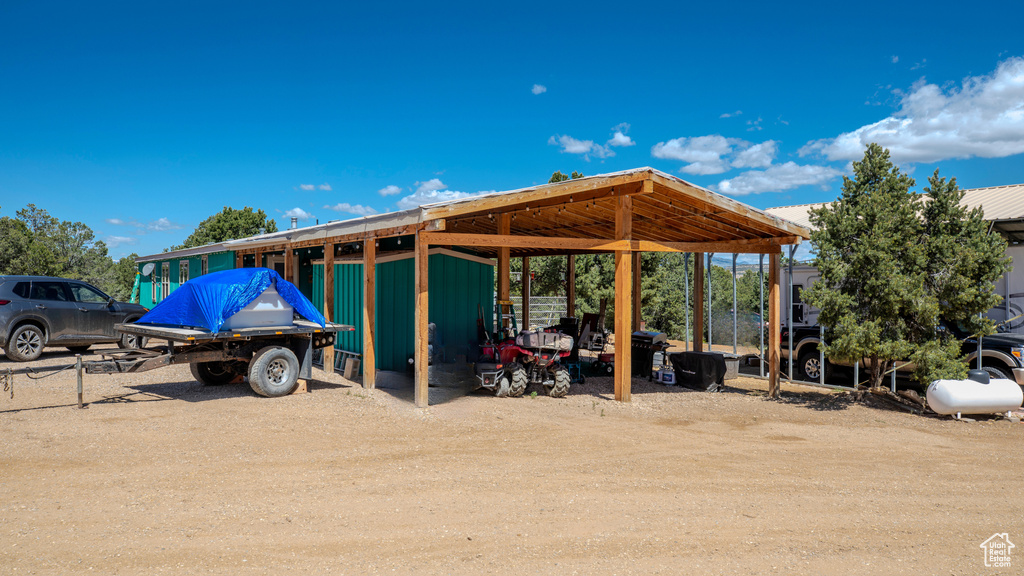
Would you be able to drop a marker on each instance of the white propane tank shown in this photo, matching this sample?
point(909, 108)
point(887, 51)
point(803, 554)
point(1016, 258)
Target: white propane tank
point(973, 397)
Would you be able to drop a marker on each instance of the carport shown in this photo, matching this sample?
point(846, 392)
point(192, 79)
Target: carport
point(626, 213)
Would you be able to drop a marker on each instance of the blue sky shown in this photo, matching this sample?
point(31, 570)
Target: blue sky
point(142, 119)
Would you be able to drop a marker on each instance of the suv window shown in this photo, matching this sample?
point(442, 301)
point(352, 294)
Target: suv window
point(21, 289)
point(86, 293)
point(49, 290)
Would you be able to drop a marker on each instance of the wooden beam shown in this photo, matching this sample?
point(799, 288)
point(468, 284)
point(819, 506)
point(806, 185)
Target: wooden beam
point(636, 292)
point(774, 325)
point(239, 260)
point(698, 302)
point(329, 303)
point(570, 286)
point(369, 320)
point(551, 193)
point(623, 302)
point(506, 241)
point(504, 227)
point(526, 286)
point(420, 359)
point(429, 226)
point(289, 265)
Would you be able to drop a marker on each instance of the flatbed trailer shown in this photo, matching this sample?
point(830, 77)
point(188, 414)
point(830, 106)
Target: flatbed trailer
point(274, 358)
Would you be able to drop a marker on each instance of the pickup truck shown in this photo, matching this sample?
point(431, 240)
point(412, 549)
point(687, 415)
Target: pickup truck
point(1002, 354)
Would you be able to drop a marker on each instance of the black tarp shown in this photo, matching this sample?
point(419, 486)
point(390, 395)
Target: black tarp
point(699, 370)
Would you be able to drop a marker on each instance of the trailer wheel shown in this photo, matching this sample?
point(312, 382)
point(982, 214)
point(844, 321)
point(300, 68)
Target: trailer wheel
point(519, 380)
point(274, 371)
point(216, 373)
point(561, 387)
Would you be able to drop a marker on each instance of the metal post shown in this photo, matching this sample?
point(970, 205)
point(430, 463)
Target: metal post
point(893, 385)
point(734, 310)
point(1006, 299)
point(760, 304)
point(821, 354)
point(980, 315)
point(686, 283)
point(789, 314)
point(78, 368)
point(856, 374)
point(711, 344)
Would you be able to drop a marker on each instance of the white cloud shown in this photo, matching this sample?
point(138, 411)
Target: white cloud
point(162, 225)
point(298, 213)
point(116, 222)
point(585, 147)
point(429, 186)
point(307, 187)
point(703, 154)
point(731, 114)
point(357, 209)
point(757, 156)
point(427, 196)
point(777, 178)
point(325, 186)
point(984, 117)
point(754, 125)
point(539, 89)
point(619, 137)
point(115, 241)
point(895, 59)
point(389, 190)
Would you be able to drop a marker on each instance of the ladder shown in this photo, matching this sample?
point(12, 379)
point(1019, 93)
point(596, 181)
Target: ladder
point(507, 324)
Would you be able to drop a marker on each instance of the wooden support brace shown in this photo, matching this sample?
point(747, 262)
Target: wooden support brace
point(623, 301)
point(329, 302)
point(420, 359)
point(369, 322)
point(774, 325)
point(504, 256)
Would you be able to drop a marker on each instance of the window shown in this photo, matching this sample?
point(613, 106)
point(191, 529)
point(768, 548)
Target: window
point(165, 280)
point(21, 289)
point(49, 291)
point(206, 265)
point(85, 293)
point(798, 306)
point(182, 272)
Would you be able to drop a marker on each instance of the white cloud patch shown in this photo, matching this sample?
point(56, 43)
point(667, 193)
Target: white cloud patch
point(162, 225)
point(895, 59)
point(389, 190)
point(777, 178)
point(587, 148)
point(704, 155)
point(116, 222)
point(115, 241)
point(619, 137)
point(357, 209)
point(325, 186)
point(429, 186)
point(731, 114)
point(307, 187)
point(754, 125)
point(298, 213)
point(757, 156)
point(539, 89)
point(421, 197)
point(983, 117)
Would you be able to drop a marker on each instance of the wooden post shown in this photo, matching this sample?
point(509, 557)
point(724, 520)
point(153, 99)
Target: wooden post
point(258, 261)
point(623, 301)
point(369, 321)
point(420, 342)
point(637, 316)
point(526, 293)
point(329, 302)
point(239, 259)
point(698, 302)
point(504, 253)
point(774, 327)
point(570, 286)
point(289, 264)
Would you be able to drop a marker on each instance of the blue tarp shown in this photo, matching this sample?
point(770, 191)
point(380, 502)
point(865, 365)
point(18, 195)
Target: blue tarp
point(209, 300)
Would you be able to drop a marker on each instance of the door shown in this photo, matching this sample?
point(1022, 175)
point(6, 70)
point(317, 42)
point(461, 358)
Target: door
point(52, 301)
point(94, 319)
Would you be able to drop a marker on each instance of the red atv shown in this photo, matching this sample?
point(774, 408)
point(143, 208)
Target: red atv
point(531, 358)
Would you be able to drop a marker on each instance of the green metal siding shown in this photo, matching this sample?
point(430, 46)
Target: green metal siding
point(395, 313)
point(221, 261)
point(348, 305)
point(195, 267)
point(318, 287)
point(145, 289)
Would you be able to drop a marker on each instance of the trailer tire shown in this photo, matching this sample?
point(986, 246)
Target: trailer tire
point(274, 371)
point(217, 373)
point(561, 387)
point(518, 383)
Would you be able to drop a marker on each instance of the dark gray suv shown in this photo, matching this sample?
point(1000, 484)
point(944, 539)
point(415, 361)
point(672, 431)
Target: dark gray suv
point(39, 311)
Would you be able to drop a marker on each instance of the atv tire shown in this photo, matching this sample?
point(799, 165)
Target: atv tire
point(519, 381)
point(501, 385)
point(561, 387)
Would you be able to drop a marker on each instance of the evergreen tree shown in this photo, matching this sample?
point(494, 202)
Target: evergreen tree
point(229, 224)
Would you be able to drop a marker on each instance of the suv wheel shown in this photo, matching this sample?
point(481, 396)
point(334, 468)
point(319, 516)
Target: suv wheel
point(25, 343)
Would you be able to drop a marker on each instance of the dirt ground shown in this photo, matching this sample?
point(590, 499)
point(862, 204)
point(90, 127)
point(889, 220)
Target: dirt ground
point(159, 475)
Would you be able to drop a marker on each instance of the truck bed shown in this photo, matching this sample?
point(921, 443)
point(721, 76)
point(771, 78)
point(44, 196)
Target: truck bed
point(176, 334)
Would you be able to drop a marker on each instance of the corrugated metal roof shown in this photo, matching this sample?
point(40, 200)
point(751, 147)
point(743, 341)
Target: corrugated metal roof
point(998, 202)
